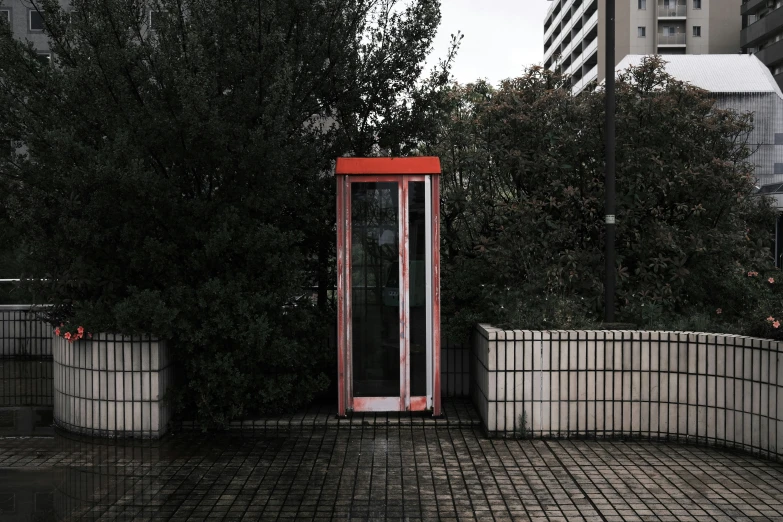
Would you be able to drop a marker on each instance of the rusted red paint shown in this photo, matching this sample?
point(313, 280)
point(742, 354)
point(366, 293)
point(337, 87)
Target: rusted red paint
point(400, 171)
point(362, 166)
point(405, 293)
point(377, 404)
point(418, 403)
point(341, 325)
point(436, 408)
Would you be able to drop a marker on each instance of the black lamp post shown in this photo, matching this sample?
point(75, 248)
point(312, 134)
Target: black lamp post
point(609, 134)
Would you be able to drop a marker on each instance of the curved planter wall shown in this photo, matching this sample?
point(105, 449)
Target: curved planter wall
point(712, 388)
point(111, 385)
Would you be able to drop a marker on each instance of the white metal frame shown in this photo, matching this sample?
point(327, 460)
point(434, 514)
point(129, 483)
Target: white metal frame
point(428, 276)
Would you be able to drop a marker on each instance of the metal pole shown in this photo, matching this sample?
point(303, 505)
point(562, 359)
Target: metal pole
point(777, 241)
point(609, 64)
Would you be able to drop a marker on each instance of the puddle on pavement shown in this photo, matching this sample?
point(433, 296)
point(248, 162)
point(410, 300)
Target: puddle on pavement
point(49, 474)
point(70, 477)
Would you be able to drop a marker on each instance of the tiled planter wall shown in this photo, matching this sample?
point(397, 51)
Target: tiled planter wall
point(718, 389)
point(112, 385)
point(22, 334)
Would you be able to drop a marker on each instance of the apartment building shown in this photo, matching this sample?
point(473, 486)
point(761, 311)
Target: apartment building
point(762, 33)
point(27, 24)
point(574, 32)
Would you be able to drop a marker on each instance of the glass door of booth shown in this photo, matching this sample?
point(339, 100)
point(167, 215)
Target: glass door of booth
point(386, 254)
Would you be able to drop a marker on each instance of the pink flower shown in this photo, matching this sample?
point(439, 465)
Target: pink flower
point(770, 319)
point(67, 335)
point(89, 336)
point(771, 280)
point(80, 330)
point(752, 273)
point(56, 331)
point(719, 311)
point(776, 324)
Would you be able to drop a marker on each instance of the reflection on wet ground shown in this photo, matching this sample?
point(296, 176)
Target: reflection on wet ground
point(26, 397)
point(378, 472)
point(313, 466)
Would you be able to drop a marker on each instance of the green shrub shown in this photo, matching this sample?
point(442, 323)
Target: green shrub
point(523, 207)
point(176, 181)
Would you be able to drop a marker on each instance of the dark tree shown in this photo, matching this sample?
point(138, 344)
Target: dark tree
point(523, 206)
point(175, 177)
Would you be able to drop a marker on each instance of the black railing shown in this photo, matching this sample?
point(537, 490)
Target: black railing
point(23, 333)
point(26, 372)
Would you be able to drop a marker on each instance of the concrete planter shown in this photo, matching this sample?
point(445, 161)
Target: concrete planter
point(713, 388)
point(112, 385)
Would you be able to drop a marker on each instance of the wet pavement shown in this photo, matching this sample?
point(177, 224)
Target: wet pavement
point(379, 472)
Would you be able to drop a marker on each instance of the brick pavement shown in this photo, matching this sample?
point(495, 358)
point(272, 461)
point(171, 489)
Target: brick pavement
point(375, 472)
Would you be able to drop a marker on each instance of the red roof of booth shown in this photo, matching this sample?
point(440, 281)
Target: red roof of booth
point(422, 165)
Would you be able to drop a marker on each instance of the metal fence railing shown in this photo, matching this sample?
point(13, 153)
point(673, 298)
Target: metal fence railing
point(671, 39)
point(23, 333)
point(670, 11)
point(28, 373)
point(455, 370)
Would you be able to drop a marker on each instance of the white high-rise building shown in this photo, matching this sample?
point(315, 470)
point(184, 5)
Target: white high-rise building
point(574, 32)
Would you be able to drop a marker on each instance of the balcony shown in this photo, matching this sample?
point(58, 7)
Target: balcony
point(752, 6)
point(671, 39)
point(760, 30)
point(557, 18)
point(773, 53)
point(558, 34)
point(779, 79)
point(579, 61)
point(578, 39)
point(588, 6)
point(580, 85)
point(672, 12)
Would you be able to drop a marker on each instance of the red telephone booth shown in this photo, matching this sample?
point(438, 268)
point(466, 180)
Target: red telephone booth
point(388, 284)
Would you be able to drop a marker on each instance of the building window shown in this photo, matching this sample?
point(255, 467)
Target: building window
point(778, 168)
point(778, 138)
point(642, 4)
point(642, 32)
point(697, 4)
point(44, 58)
point(696, 30)
point(36, 21)
point(5, 14)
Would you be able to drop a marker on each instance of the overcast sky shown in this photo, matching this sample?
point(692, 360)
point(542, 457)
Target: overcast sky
point(501, 37)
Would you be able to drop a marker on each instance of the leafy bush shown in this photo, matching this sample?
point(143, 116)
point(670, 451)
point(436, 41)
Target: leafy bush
point(523, 205)
point(176, 181)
